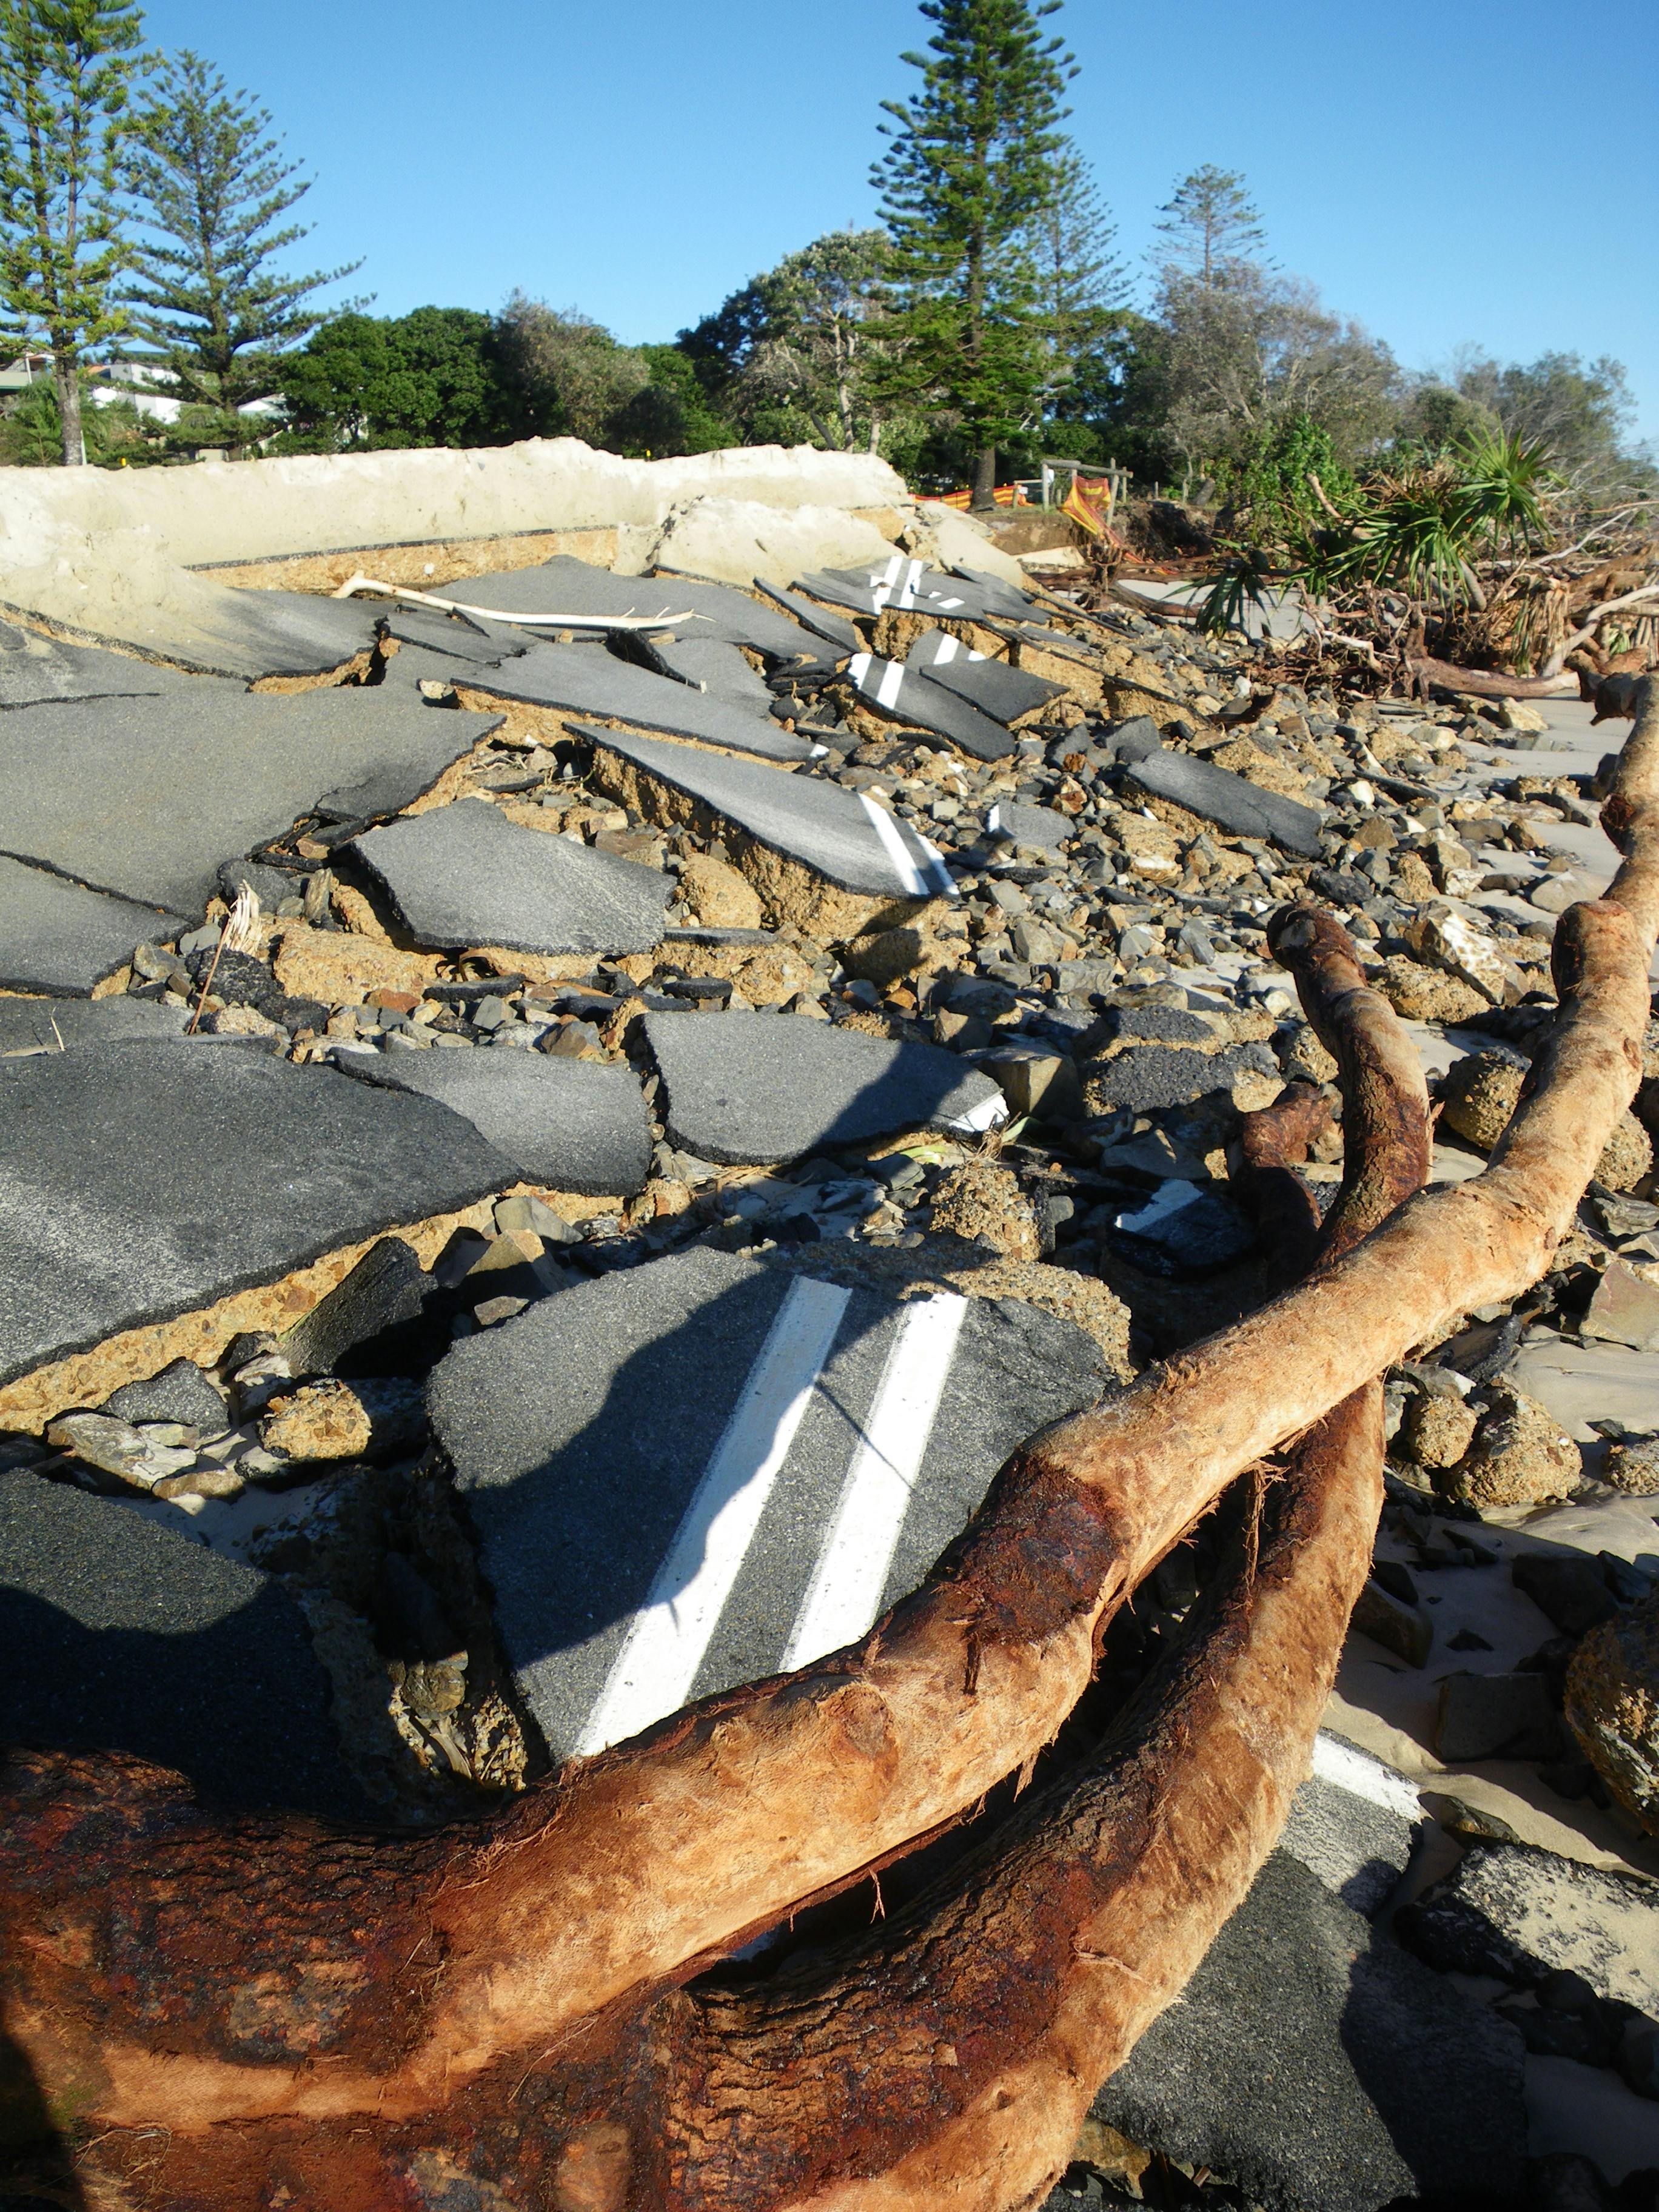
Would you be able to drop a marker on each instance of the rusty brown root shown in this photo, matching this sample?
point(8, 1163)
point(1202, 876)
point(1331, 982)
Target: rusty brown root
point(949, 2053)
point(169, 1967)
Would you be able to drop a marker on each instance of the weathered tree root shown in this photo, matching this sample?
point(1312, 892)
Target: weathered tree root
point(169, 1967)
point(950, 2052)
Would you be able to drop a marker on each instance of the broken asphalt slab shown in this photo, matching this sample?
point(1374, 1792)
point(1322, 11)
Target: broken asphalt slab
point(566, 586)
point(35, 670)
point(464, 875)
point(144, 1180)
point(118, 1634)
point(910, 587)
point(907, 695)
point(710, 666)
point(703, 1471)
point(458, 637)
point(30, 1026)
point(992, 687)
point(756, 1089)
point(1233, 802)
point(834, 629)
point(1353, 1823)
point(252, 637)
point(580, 679)
point(145, 798)
point(565, 1124)
point(841, 835)
point(1319, 2068)
point(55, 936)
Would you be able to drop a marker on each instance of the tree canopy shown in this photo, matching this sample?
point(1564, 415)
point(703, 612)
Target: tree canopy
point(206, 288)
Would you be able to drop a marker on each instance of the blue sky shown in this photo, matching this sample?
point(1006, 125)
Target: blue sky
point(1455, 174)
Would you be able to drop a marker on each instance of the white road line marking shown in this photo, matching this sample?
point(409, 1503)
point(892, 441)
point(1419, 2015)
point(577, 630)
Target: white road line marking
point(1368, 1777)
point(852, 1563)
point(895, 847)
point(654, 1672)
point(887, 690)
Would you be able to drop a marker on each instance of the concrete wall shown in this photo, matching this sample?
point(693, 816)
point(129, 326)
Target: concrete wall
point(221, 511)
point(118, 556)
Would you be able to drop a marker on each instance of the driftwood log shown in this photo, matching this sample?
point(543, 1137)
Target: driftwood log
point(953, 2047)
point(169, 1972)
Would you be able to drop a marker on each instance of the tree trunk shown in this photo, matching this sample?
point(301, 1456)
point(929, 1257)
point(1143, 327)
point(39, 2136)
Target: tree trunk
point(985, 478)
point(66, 377)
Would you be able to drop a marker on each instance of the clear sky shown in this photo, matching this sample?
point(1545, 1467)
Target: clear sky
point(1450, 171)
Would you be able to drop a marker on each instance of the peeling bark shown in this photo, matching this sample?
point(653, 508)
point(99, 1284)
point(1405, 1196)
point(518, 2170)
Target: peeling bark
point(171, 1968)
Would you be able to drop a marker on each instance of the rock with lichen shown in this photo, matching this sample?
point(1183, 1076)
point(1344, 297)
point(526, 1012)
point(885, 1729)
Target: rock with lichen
point(981, 1202)
point(1422, 993)
point(1437, 1431)
point(1520, 1456)
point(1613, 1706)
point(1632, 1465)
point(1480, 1095)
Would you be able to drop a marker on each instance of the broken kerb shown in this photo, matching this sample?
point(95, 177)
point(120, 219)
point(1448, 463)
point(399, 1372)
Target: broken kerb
point(956, 2046)
point(395, 1972)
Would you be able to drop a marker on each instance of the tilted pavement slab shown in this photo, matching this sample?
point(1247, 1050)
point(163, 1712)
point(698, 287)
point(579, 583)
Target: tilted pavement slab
point(147, 797)
point(1320, 2068)
point(35, 669)
point(565, 1124)
point(463, 875)
point(55, 936)
point(1043, 828)
point(158, 1195)
point(703, 1472)
point(1231, 801)
point(458, 637)
point(711, 665)
point(756, 1089)
point(118, 1634)
point(834, 629)
point(559, 680)
point(830, 860)
point(906, 694)
point(566, 586)
point(1006, 694)
point(910, 587)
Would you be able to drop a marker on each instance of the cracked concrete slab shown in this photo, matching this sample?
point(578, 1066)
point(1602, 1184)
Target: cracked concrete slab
point(684, 1478)
point(464, 875)
point(579, 679)
point(756, 1089)
point(146, 1179)
point(894, 688)
point(145, 798)
point(991, 687)
point(565, 1124)
point(802, 841)
point(55, 936)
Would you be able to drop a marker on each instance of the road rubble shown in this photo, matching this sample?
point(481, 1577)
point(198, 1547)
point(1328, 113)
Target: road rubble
point(551, 1180)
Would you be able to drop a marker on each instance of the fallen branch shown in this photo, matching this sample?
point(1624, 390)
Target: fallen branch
point(194, 1969)
point(1492, 683)
point(665, 621)
point(1584, 635)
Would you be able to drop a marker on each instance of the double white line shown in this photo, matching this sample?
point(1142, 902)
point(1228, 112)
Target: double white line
point(657, 1667)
